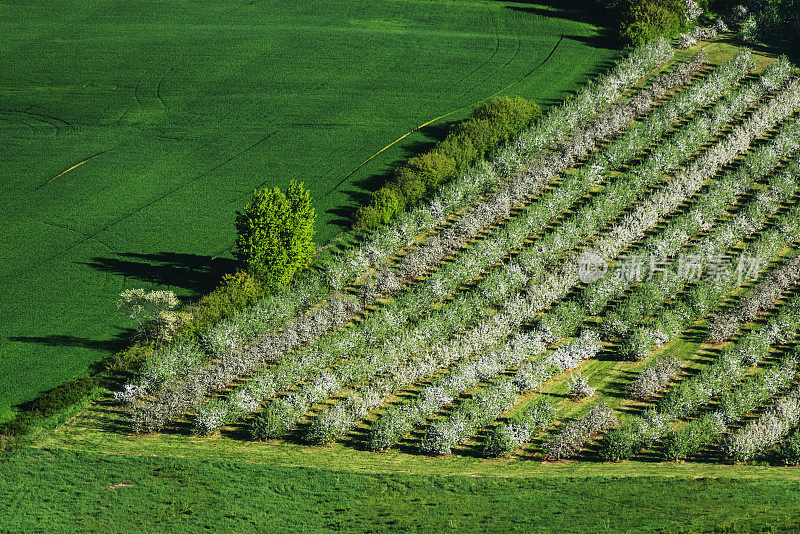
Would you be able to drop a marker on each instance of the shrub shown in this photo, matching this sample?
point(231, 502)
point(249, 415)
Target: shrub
point(275, 234)
point(491, 124)
point(386, 203)
point(368, 217)
point(508, 116)
point(237, 291)
point(655, 376)
point(788, 453)
point(17, 426)
point(49, 403)
point(434, 168)
point(690, 438)
point(64, 395)
point(621, 443)
point(480, 132)
point(409, 186)
point(576, 433)
point(505, 438)
point(648, 21)
point(624, 442)
point(579, 387)
point(643, 20)
point(748, 31)
point(127, 359)
point(459, 147)
point(638, 345)
point(152, 311)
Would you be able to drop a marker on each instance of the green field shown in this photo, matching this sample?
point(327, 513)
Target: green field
point(68, 492)
point(130, 132)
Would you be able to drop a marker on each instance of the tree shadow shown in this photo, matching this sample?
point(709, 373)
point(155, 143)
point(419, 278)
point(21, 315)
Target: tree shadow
point(582, 11)
point(197, 273)
point(781, 41)
point(118, 342)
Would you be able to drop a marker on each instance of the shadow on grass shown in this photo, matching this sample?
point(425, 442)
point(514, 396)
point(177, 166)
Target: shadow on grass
point(197, 273)
point(782, 40)
point(118, 342)
point(583, 11)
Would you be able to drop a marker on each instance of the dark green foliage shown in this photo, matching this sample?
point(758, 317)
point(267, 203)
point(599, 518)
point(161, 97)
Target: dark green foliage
point(625, 441)
point(491, 124)
point(642, 20)
point(64, 395)
point(788, 452)
point(690, 438)
point(621, 443)
point(127, 359)
point(267, 424)
point(673, 319)
point(17, 426)
point(49, 403)
point(768, 12)
point(767, 18)
point(500, 441)
point(275, 234)
point(236, 292)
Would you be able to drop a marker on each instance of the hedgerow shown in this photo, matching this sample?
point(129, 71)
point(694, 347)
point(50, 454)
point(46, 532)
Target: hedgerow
point(490, 125)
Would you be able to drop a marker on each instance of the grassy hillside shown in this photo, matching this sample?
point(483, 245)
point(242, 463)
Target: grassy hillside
point(130, 132)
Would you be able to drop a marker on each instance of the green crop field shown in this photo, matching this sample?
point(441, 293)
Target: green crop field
point(131, 131)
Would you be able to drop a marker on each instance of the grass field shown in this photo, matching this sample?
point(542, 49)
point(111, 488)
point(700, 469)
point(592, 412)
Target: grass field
point(130, 132)
point(69, 491)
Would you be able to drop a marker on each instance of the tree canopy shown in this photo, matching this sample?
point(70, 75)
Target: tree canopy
point(275, 234)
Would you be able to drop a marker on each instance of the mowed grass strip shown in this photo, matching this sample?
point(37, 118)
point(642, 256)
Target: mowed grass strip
point(190, 107)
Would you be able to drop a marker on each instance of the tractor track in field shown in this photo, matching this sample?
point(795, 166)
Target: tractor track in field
point(242, 6)
point(158, 90)
point(93, 235)
point(483, 63)
point(387, 147)
point(88, 236)
point(159, 87)
point(534, 69)
point(136, 86)
point(58, 124)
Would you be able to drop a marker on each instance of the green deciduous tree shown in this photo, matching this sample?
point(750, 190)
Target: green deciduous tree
point(275, 234)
